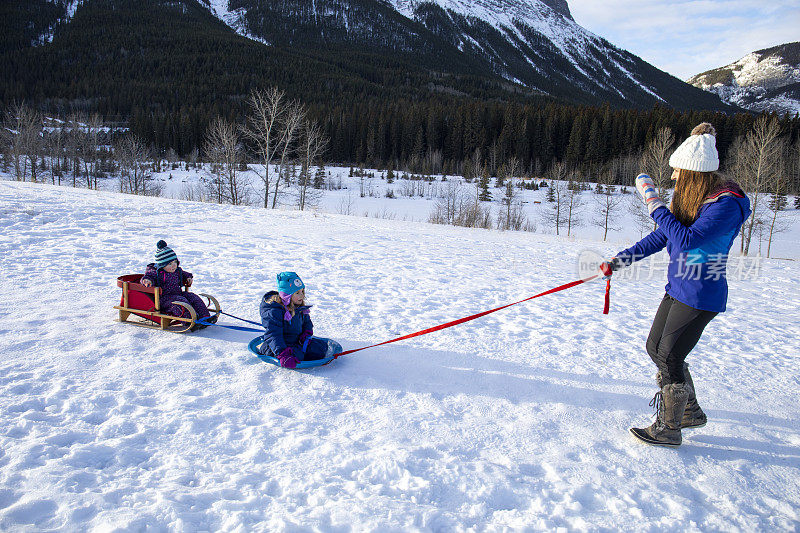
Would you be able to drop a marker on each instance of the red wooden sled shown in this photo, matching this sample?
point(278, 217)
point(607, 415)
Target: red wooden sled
point(144, 302)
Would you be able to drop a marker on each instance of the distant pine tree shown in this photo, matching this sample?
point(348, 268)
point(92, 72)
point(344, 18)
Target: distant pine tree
point(485, 194)
point(319, 177)
point(509, 195)
point(779, 201)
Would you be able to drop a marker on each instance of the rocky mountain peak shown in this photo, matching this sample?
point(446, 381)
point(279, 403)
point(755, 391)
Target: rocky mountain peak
point(764, 80)
point(560, 6)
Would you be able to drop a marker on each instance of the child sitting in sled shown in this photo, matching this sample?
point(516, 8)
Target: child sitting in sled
point(290, 332)
point(167, 274)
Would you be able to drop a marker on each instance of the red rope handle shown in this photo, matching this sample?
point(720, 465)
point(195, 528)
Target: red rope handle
point(605, 268)
point(473, 317)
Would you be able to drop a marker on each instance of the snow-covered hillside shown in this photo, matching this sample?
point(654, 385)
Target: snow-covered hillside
point(514, 421)
point(766, 80)
point(589, 55)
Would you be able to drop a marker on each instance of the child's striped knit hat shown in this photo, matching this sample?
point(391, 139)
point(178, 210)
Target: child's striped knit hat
point(164, 254)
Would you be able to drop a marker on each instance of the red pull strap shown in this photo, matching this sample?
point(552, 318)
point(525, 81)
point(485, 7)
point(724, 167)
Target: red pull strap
point(471, 317)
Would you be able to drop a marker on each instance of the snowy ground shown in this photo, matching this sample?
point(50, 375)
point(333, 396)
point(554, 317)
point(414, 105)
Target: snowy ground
point(515, 421)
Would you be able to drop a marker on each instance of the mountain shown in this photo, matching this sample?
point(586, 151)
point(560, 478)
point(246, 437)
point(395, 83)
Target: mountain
point(765, 80)
point(388, 81)
point(94, 51)
point(534, 43)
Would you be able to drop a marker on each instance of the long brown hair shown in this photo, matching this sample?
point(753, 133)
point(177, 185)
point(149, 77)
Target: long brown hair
point(691, 190)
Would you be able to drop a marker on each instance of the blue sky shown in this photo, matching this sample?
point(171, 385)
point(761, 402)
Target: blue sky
point(686, 37)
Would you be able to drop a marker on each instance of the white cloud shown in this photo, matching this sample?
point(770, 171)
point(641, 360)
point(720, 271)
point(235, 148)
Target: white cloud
point(686, 37)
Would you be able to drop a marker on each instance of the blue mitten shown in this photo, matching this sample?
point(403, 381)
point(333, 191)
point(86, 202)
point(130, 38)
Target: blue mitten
point(645, 186)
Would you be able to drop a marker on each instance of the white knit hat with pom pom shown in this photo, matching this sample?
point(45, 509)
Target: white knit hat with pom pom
point(698, 152)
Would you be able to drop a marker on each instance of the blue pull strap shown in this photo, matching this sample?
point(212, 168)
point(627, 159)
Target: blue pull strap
point(204, 322)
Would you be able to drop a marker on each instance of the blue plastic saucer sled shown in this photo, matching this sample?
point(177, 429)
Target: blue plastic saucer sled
point(333, 348)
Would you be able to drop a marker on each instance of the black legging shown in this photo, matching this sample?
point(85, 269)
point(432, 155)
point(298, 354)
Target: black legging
point(676, 329)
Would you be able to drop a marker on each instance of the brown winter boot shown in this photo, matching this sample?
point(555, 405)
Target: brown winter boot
point(693, 417)
point(670, 403)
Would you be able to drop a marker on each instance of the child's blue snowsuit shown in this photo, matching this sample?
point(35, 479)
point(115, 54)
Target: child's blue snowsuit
point(282, 333)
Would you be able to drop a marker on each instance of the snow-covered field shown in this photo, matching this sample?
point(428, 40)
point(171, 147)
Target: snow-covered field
point(187, 184)
point(516, 421)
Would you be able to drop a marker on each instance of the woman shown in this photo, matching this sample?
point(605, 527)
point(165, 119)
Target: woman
point(698, 230)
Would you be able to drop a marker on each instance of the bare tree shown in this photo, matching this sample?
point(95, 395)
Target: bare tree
point(346, 205)
point(557, 194)
point(432, 164)
point(456, 207)
point(265, 130)
point(132, 156)
point(72, 145)
point(33, 140)
point(13, 141)
point(293, 120)
point(5, 154)
point(777, 205)
point(223, 150)
point(448, 205)
point(655, 161)
point(89, 146)
point(474, 169)
point(757, 163)
point(54, 148)
point(572, 204)
point(639, 214)
point(513, 216)
point(193, 157)
point(608, 202)
point(23, 132)
point(623, 168)
point(794, 168)
point(312, 144)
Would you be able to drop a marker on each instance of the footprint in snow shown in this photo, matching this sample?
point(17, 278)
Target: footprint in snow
point(34, 512)
point(284, 411)
point(8, 497)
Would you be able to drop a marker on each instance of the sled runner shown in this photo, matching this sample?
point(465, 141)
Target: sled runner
point(333, 349)
point(144, 301)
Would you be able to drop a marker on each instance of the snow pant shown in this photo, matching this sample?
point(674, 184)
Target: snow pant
point(676, 329)
point(315, 348)
point(168, 307)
